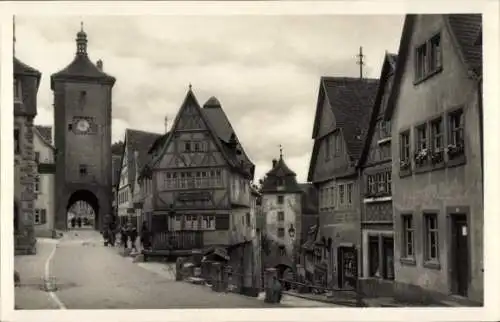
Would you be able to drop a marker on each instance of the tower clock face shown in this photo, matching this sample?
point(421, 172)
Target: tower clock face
point(83, 125)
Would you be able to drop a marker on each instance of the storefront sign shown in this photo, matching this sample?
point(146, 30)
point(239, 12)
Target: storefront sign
point(189, 196)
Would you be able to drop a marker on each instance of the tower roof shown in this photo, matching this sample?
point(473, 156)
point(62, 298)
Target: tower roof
point(81, 68)
point(280, 178)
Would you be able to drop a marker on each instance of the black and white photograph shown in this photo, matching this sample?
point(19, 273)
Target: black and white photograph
point(248, 161)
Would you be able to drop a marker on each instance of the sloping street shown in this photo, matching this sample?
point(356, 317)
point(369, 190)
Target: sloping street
point(91, 276)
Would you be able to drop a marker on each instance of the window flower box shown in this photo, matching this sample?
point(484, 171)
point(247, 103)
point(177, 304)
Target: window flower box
point(455, 150)
point(421, 157)
point(437, 157)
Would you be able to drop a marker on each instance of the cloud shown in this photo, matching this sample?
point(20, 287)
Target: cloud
point(265, 70)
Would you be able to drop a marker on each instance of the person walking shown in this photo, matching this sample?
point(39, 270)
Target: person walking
point(145, 236)
point(132, 234)
point(124, 238)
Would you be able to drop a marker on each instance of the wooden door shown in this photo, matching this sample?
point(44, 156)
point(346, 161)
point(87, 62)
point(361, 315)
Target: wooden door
point(460, 255)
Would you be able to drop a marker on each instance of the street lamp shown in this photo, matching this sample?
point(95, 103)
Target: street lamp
point(291, 232)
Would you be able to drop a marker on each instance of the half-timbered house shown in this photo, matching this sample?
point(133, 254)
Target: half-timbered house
point(376, 193)
point(437, 175)
point(135, 142)
point(342, 114)
point(196, 185)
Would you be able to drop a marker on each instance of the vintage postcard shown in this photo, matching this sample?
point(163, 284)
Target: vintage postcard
point(296, 161)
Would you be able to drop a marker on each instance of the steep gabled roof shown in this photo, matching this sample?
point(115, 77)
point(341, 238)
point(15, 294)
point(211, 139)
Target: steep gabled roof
point(45, 135)
point(140, 141)
point(236, 158)
point(280, 172)
point(21, 68)
point(351, 100)
point(45, 132)
point(388, 68)
point(464, 29)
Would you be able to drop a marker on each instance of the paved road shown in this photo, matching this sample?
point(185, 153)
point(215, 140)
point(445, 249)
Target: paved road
point(91, 276)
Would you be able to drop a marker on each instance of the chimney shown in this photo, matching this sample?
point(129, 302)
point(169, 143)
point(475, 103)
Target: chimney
point(166, 124)
point(274, 162)
point(99, 65)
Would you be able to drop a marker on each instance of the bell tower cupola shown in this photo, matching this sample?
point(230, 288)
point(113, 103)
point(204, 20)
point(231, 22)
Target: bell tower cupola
point(81, 42)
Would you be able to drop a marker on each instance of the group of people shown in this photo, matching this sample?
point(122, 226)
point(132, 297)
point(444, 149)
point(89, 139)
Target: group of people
point(128, 233)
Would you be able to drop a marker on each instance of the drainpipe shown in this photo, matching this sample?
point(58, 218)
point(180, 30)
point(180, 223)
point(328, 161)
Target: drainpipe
point(359, 268)
point(481, 135)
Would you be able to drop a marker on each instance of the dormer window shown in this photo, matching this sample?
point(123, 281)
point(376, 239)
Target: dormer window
point(18, 91)
point(428, 58)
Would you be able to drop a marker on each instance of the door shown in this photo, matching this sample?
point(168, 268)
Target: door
point(388, 258)
point(347, 267)
point(460, 255)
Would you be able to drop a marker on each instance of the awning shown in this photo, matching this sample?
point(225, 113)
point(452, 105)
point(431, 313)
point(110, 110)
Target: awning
point(216, 251)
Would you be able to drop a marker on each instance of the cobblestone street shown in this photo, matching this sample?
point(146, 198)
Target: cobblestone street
point(91, 276)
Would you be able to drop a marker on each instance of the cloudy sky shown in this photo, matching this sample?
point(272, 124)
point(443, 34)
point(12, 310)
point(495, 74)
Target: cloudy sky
point(265, 70)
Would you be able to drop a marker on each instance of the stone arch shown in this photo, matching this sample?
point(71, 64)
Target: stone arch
point(90, 198)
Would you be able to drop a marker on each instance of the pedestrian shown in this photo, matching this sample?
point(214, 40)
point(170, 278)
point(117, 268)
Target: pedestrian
point(79, 222)
point(277, 290)
point(132, 234)
point(124, 238)
point(73, 222)
point(145, 236)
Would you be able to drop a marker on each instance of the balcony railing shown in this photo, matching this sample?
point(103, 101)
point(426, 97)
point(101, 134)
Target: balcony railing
point(177, 240)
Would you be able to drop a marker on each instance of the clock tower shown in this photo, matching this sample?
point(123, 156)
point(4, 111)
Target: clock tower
point(82, 122)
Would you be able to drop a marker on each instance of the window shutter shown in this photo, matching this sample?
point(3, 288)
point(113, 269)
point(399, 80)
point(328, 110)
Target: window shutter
point(222, 222)
point(43, 216)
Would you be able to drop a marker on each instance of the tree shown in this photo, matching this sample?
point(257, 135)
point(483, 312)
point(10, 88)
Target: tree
point(117, 148)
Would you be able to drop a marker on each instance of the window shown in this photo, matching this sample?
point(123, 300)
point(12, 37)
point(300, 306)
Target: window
point(282, 251)
point(405, 149)
point(175, 223)
point(37, 157)
point(70, 127)
point(37, 217)
point(437, 135)
point(422, 137)
point(428, 58)
point(82, 100)
point(371, 184)
point(187, 146)
point(36, 186)
point(247, 219)
point(338, 144)
point(281, 216)
point(208, 223)
point(421, 62)
point(349, 193)
point(218, 175)
point(385, 129)
point(192, 222)
point(408, 236)
point(17, 143)
point(388, 180)
point(17, 91)
point(456, 126)
point(341, 194)
point(380, 180)
point(83, 170)
point(328, 147)
point(281, 232)
point(431, 237)
point(332, 193)
point(281, 200)
point(435, 53)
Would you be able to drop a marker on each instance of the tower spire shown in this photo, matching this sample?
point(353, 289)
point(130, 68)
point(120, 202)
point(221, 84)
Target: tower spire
point(360, 61)
point(81, 42)
point(281, 151)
